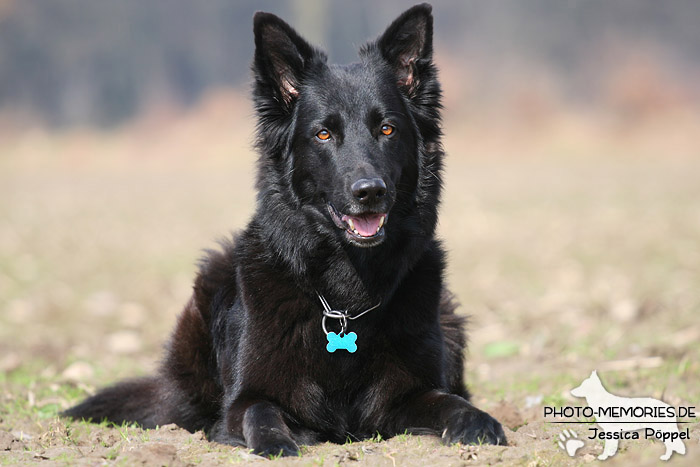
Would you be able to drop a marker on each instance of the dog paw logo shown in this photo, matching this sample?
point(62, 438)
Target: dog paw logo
point(569, 442)
point(346, 342)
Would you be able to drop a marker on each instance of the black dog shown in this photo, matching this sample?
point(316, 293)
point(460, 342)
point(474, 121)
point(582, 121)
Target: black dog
point(348, 191)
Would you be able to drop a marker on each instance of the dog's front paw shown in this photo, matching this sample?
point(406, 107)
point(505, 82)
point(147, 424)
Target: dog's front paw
point(273, 443)
point(472, 426)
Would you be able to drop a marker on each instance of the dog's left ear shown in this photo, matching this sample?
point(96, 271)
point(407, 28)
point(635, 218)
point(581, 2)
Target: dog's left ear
point(407, 45)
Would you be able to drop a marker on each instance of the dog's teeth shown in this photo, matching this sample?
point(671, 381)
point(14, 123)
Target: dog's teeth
point(356, 232)
point(351, 223)
point(381, 223)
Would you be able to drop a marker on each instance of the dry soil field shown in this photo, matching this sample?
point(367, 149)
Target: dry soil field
point(573, 247)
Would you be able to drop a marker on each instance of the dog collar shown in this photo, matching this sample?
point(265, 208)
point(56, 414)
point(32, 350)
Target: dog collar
point(343, 340)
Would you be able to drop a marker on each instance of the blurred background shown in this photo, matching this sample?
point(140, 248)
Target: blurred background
point(103, 63)
point(571, 209)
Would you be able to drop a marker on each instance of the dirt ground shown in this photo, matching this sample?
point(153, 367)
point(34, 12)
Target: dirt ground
point(571, 247)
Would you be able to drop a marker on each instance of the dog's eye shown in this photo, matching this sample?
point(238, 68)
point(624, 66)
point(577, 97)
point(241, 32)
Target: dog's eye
point(387, 130)
point(323, 135)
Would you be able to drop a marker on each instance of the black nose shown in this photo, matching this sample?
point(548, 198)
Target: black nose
point(367, 190)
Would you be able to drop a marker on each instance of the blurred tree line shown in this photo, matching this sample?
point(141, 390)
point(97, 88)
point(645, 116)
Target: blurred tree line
point(100, 62)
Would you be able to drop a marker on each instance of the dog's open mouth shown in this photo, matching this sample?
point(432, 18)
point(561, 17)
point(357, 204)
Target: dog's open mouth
point(366, 229)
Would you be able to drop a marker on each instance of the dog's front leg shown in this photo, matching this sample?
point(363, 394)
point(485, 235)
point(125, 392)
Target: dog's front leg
point(450, 415)
point(259, 425)
point(265, 431)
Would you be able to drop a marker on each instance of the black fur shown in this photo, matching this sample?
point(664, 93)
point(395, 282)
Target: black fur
point(248, 361)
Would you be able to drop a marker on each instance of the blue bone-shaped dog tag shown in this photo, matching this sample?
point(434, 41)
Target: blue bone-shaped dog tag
point(346, 342)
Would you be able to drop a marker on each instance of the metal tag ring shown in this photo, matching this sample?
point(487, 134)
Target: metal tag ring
point(343, 323)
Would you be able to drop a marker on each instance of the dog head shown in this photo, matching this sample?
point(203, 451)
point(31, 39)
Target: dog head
point(589, 386)
point(346, 145)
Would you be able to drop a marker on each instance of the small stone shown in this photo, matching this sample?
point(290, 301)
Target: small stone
point(624, 310)
point(9, 362)
point(132, 315)
point(101, 304)
point(533, 401)
point(20, 311)
point(124, 342)
point(77, 372)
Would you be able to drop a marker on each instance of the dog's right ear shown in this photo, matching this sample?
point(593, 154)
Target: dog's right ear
point(282, 57)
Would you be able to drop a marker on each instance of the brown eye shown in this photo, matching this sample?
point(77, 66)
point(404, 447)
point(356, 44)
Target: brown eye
point(387, 130)
point(323, 135)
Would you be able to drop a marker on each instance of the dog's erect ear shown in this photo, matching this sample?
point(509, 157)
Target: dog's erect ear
point(407, 43)
point(281, 56)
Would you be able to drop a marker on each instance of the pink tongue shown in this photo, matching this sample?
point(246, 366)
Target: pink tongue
point(366, 225)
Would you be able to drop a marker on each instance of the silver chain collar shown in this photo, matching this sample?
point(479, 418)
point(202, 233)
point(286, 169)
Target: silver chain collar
point(340, 315)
